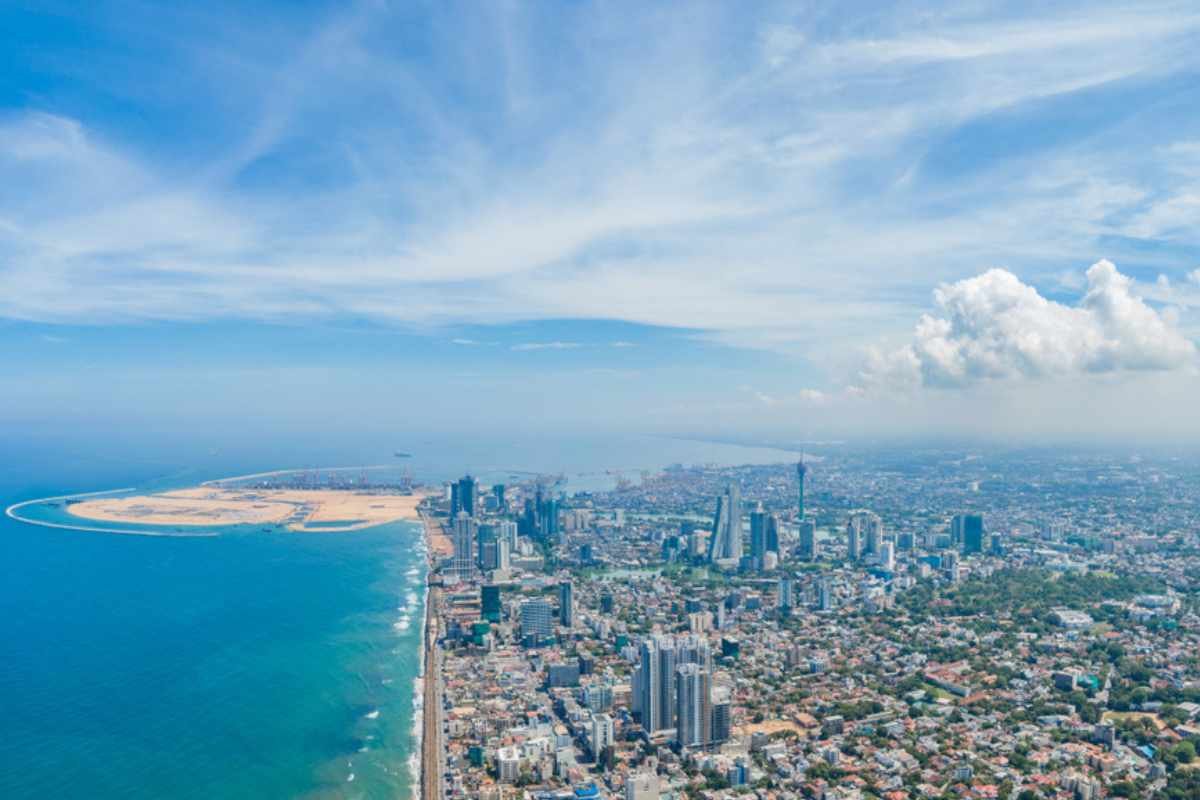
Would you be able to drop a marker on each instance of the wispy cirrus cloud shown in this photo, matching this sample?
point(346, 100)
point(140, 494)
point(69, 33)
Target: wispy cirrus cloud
point(556, 345)
point(778, 179)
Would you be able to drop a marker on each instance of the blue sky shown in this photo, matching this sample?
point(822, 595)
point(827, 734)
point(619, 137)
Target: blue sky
point(783, 219)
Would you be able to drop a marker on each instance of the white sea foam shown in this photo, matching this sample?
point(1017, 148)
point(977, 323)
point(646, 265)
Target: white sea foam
point(414, 766)
point(350, 778)
point(373, 715)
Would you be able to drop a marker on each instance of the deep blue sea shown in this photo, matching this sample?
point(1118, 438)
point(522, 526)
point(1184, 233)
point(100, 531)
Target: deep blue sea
point(249, 665)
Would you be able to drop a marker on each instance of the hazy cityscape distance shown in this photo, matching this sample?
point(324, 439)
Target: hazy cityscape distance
point(583, 399)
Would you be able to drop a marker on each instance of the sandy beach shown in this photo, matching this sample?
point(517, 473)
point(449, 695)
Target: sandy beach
point(437, 537)
point(308, 510)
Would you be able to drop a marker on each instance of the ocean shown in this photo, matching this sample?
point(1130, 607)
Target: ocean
point(247, 665)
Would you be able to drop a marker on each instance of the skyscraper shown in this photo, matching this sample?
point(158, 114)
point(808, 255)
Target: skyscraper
point(865, 534)
point(825, 597)
point(506, 530)
point(463, 564)
point(646, 686)
point(536, 620)
point(726, 541)
point(498, 493)
point(723, 717)
point(464, 496)
point(489, 603)
point(693, 709)
point(772, 534)
point(854, 544)
point(967, 531)
point(808, 550)
point(787, 593)
point(566, 604)
point(887, 556)
point(758, 535)
point(801, 473)
point(655, 684)
point(548, 518)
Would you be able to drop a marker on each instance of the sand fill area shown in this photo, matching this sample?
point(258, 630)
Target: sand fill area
point(312, 510)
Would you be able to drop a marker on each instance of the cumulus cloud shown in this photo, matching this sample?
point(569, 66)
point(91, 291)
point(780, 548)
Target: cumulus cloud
point(993, 326)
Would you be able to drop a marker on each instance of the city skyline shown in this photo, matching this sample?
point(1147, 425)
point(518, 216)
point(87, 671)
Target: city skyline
point(803, 222)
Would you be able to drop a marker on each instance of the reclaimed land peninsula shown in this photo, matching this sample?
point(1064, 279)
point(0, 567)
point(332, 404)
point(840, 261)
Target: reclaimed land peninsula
point(302, 510)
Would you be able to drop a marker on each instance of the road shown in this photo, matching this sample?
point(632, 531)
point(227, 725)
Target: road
point(431, 742)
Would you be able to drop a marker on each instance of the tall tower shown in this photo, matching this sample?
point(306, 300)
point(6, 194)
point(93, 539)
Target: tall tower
point(693, 706)
point(726, 541)
point(801, 472)
point(566, 604)
point(464, 546)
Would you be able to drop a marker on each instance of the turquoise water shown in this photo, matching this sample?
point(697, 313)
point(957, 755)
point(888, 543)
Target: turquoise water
point(245, 665)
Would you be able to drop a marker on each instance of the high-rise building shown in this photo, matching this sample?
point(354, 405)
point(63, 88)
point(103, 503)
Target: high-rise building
point(787, 593)
point(602, 733)
point(664, 701)
point(566, 604)
point(949, 565)
point(773, 534)
point(654, 687)
point(726, 541)
point(548, 519)
point(506, 530)
point(464, 497)
point(694, 650)
point(887, 556)
point(693, 711)
point(825, 598)
point(489, 602)
point(536, 620)
point(643, 786)
point(801, 474)
point(498, 493)
point(758, 535)
point(493, 554)
point(463, 564)
point(865, 534)
point(854, 543)
point(966, 530)
point(808, 549)
point(646, 683)
point(722, 720)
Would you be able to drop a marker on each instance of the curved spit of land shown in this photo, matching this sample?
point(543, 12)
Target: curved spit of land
point(197, 511)
point(13, 512)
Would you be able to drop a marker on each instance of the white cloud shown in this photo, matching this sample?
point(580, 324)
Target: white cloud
point(545, 346)
point(771, 198)
point(993, 326)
